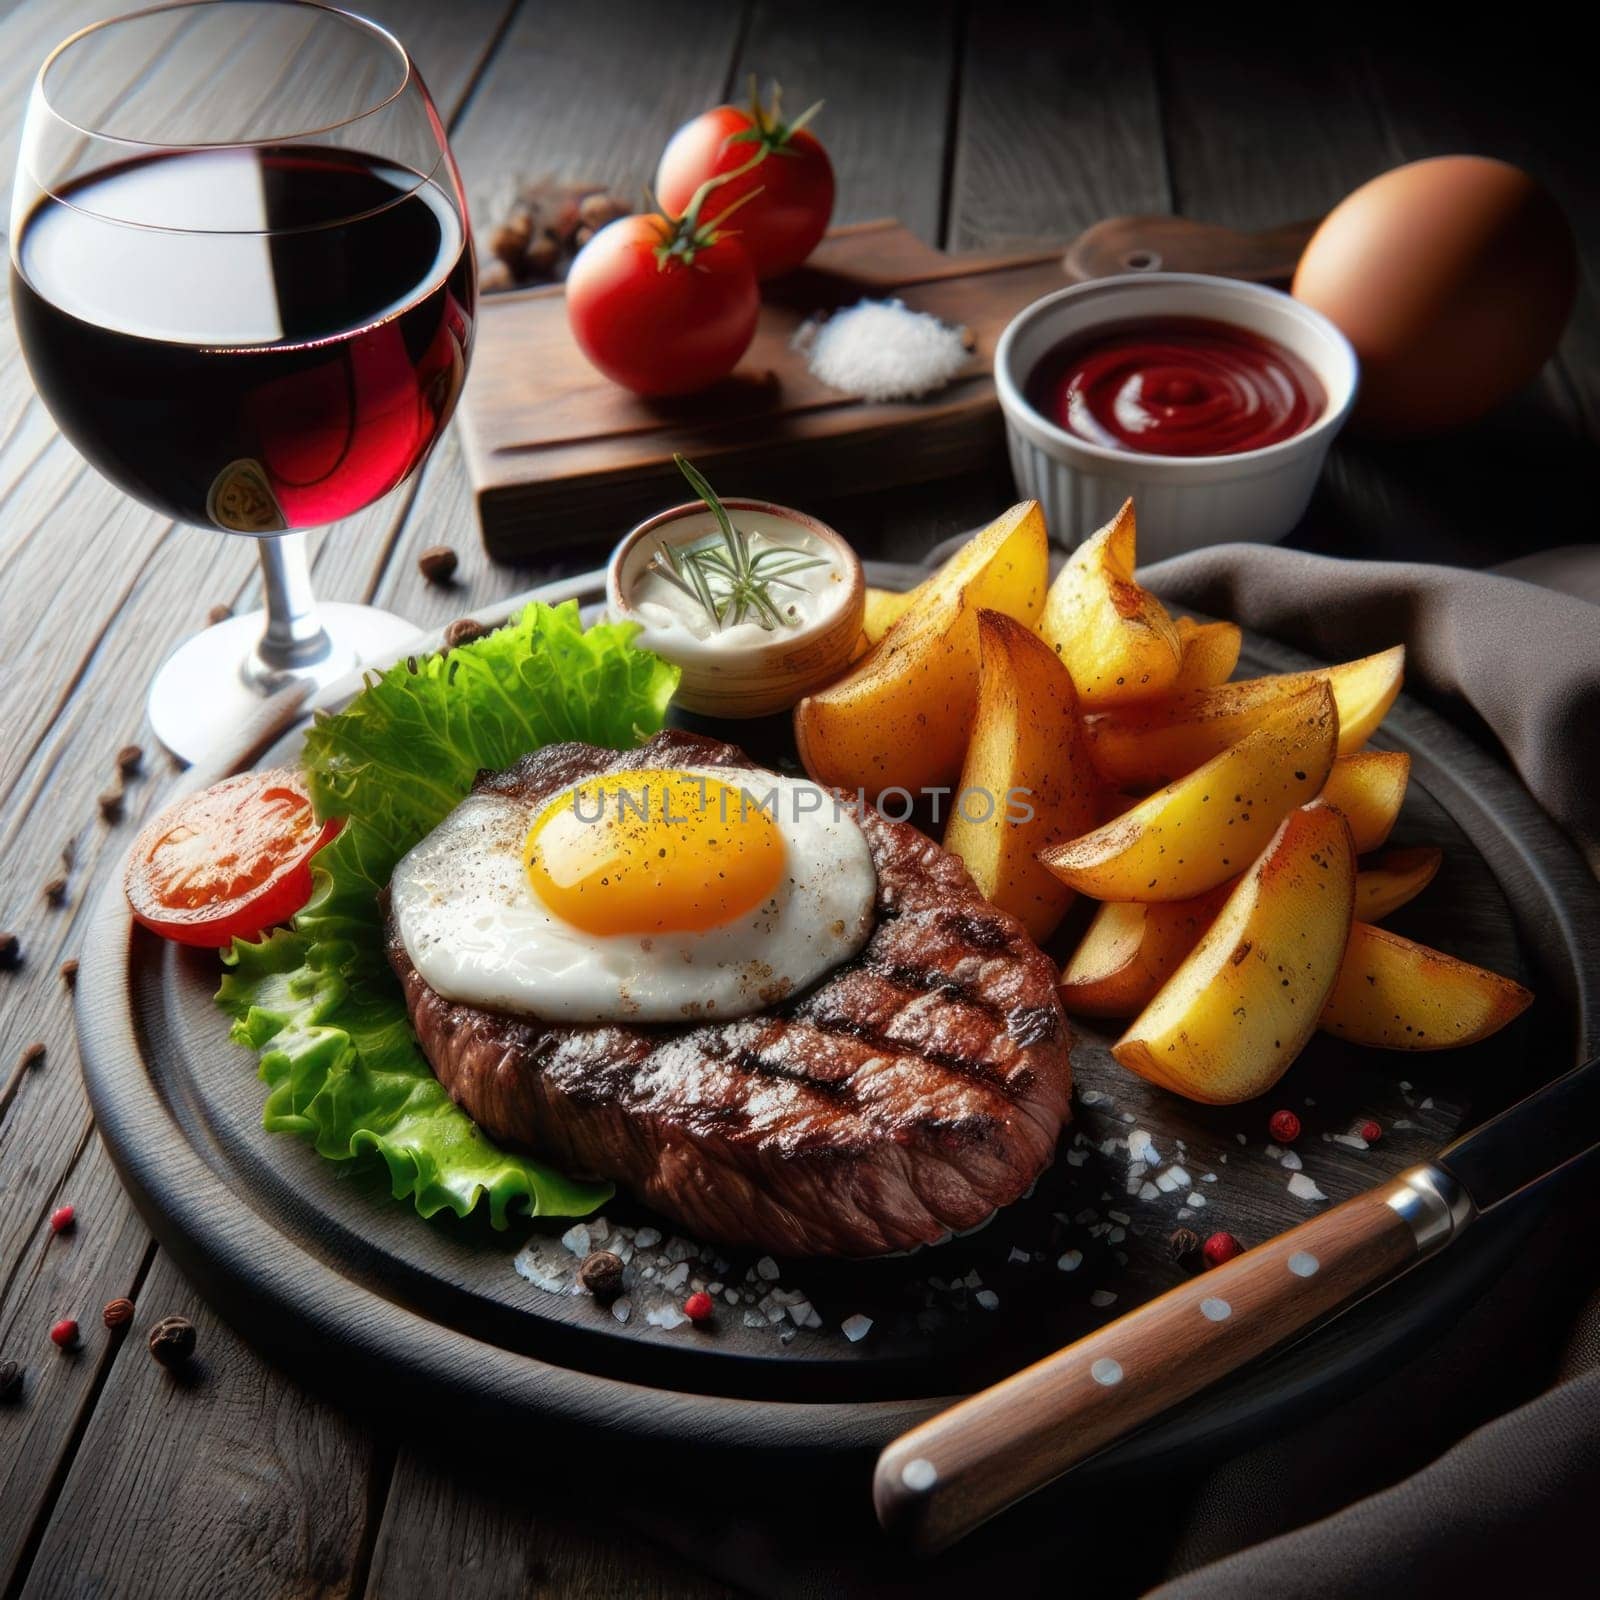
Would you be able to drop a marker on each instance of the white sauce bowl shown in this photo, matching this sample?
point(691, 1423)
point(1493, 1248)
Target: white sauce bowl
point(1182, 502)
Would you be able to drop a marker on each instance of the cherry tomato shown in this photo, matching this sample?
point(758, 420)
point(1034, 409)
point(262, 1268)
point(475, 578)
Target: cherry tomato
point(781, 225)
point(227, 863)
point(663, 305)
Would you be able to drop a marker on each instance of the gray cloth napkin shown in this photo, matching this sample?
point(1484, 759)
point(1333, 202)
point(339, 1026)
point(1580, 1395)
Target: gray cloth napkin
point(1518, 658)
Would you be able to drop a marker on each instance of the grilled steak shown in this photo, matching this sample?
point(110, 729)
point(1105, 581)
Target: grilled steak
point(907, 1094)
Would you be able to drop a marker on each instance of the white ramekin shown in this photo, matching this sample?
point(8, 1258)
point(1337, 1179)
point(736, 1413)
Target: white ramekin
point(1182, 502)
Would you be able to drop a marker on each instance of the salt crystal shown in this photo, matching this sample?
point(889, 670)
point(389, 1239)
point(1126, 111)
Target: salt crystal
point(1088, 1214)
point(1222, 1161)
point(972, 1280)
point(1135, 1183)
point(1354, 1140)
point(677, 1277)
point(987, 1298)
point(1274, 1153)
point(881, 350)
point(1018, 1255)
point(1076, 1158)
point(1302, 1188)
point(679, 1249)
point(599, 1230)
point(1070, 1260)
point(1102, 1298)
point(1196, 1200)
point(1427, 1105)
point(1116, 1236)
point(1118, 1216)
point(1141, 1147)
point(801, 1315)
point(1166, 1183)
point(1402, 1122)
point(714, 1288)
point(1138, 1169)
point(622, 1309)
point(1209, 1177)
point(1241, 1138)
point(1127, 1116)
point(755, 1319)
point(731, 1296)
point(1184, 1213)
point(777, 1313)
point(767, 1268)
point(665, 1317)
point(1405, 1088)
point(1090, 1097)
point(1148, 1191)
point(576, 1239)
point(1179, 1176)
point(646, 1237)
point(856, 1328)
point(1291, 1162)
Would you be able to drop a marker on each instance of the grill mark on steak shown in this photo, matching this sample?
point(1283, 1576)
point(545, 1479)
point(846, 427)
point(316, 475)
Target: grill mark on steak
point(908, 1093)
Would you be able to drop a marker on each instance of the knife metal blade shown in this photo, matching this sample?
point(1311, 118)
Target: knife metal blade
point(1539, 1136)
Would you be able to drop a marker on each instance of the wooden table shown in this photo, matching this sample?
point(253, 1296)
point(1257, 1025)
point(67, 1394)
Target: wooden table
point(980, 126)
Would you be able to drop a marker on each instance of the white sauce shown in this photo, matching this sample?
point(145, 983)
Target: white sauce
point(671, 617)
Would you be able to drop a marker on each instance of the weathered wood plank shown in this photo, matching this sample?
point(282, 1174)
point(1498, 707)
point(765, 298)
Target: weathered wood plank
point(98, 590)
point(1059, 125)
point(225, 1479)
point(462, 1531)
point(886, 75)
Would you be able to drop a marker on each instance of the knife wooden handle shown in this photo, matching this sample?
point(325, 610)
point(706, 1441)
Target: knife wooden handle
point(938, 1482)
point(1180, 244)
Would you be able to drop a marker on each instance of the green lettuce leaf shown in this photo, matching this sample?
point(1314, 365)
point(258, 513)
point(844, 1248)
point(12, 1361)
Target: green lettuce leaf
point(319, 1002)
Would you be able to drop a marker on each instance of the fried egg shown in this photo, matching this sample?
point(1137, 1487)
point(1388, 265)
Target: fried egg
point(658, 896)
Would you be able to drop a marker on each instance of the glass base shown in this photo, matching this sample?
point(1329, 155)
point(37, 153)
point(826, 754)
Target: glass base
point(213, 683)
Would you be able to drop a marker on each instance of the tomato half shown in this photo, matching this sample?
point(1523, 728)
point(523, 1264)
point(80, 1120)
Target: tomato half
point(227, 863)
point(657, 320)
point(782, 225)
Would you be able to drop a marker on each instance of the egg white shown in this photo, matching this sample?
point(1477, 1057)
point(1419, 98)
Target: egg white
point(477, 933)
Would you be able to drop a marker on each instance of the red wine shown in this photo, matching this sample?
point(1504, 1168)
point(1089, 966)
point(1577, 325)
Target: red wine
point(248, 339)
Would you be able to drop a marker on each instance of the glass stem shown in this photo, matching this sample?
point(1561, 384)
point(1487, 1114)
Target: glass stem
point(294, 638)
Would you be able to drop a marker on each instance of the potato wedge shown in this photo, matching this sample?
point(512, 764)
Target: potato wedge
point(1210, 653)
point(1027, 741)
point(1142, 747)
point(1394, 994)
point(1392, 880)
point(1369, 787)
point(1130, 949)
point(1116, 638)
point(1225, 1026)
point(1207, 827)
point(885, 607)
point(900, 717)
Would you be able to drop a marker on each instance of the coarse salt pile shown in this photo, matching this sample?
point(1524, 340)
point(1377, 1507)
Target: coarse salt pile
point(880, 350)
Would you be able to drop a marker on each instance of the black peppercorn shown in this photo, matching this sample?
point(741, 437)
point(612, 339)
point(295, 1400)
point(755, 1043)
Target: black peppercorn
point(55, 891)
point(69, 971)
point(218, 613)
point(172, 1341)
point(1182, 1243)
point(463, 631)
point(130, 758)
point(11, 1374)
point(601, 1274)
point(10, 951)
point(438, 563)
point(111, 804)
point(32, 1055)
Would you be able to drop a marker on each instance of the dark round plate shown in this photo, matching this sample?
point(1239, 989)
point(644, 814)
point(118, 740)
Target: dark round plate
point(314, 1262)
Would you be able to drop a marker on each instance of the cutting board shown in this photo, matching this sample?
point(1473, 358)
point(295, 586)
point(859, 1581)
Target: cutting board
point(558, 454)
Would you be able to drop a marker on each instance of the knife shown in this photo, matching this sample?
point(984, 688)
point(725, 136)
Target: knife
point(938, 1482)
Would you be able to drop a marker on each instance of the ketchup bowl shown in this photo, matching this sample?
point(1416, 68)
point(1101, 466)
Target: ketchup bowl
point(1243, 385)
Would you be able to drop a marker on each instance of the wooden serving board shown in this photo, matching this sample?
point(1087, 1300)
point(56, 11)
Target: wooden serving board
point(558, 454)
point(314, 1263)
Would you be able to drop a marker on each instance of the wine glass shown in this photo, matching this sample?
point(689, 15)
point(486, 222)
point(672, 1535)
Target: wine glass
point(243, 281)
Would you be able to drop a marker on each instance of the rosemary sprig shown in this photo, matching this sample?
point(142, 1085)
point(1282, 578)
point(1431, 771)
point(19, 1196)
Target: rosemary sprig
point(722, 574)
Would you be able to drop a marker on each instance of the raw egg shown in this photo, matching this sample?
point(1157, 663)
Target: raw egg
point(1453, 279)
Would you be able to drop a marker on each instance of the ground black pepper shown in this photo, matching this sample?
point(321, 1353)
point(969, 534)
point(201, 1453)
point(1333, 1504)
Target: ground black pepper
point(1182, 1244)
point(11, 1375)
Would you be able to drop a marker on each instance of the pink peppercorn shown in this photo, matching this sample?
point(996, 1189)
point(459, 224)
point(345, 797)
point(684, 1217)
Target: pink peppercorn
point(1372, 1132)
point(65, 1334)
point(1284, 1126)
point(62, 1219)
point(1220, 1247)
point(698, 1307)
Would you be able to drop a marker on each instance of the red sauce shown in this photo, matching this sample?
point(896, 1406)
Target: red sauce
point(1177, 386)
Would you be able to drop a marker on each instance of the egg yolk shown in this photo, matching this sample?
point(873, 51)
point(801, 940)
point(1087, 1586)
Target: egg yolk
point(654, 852)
